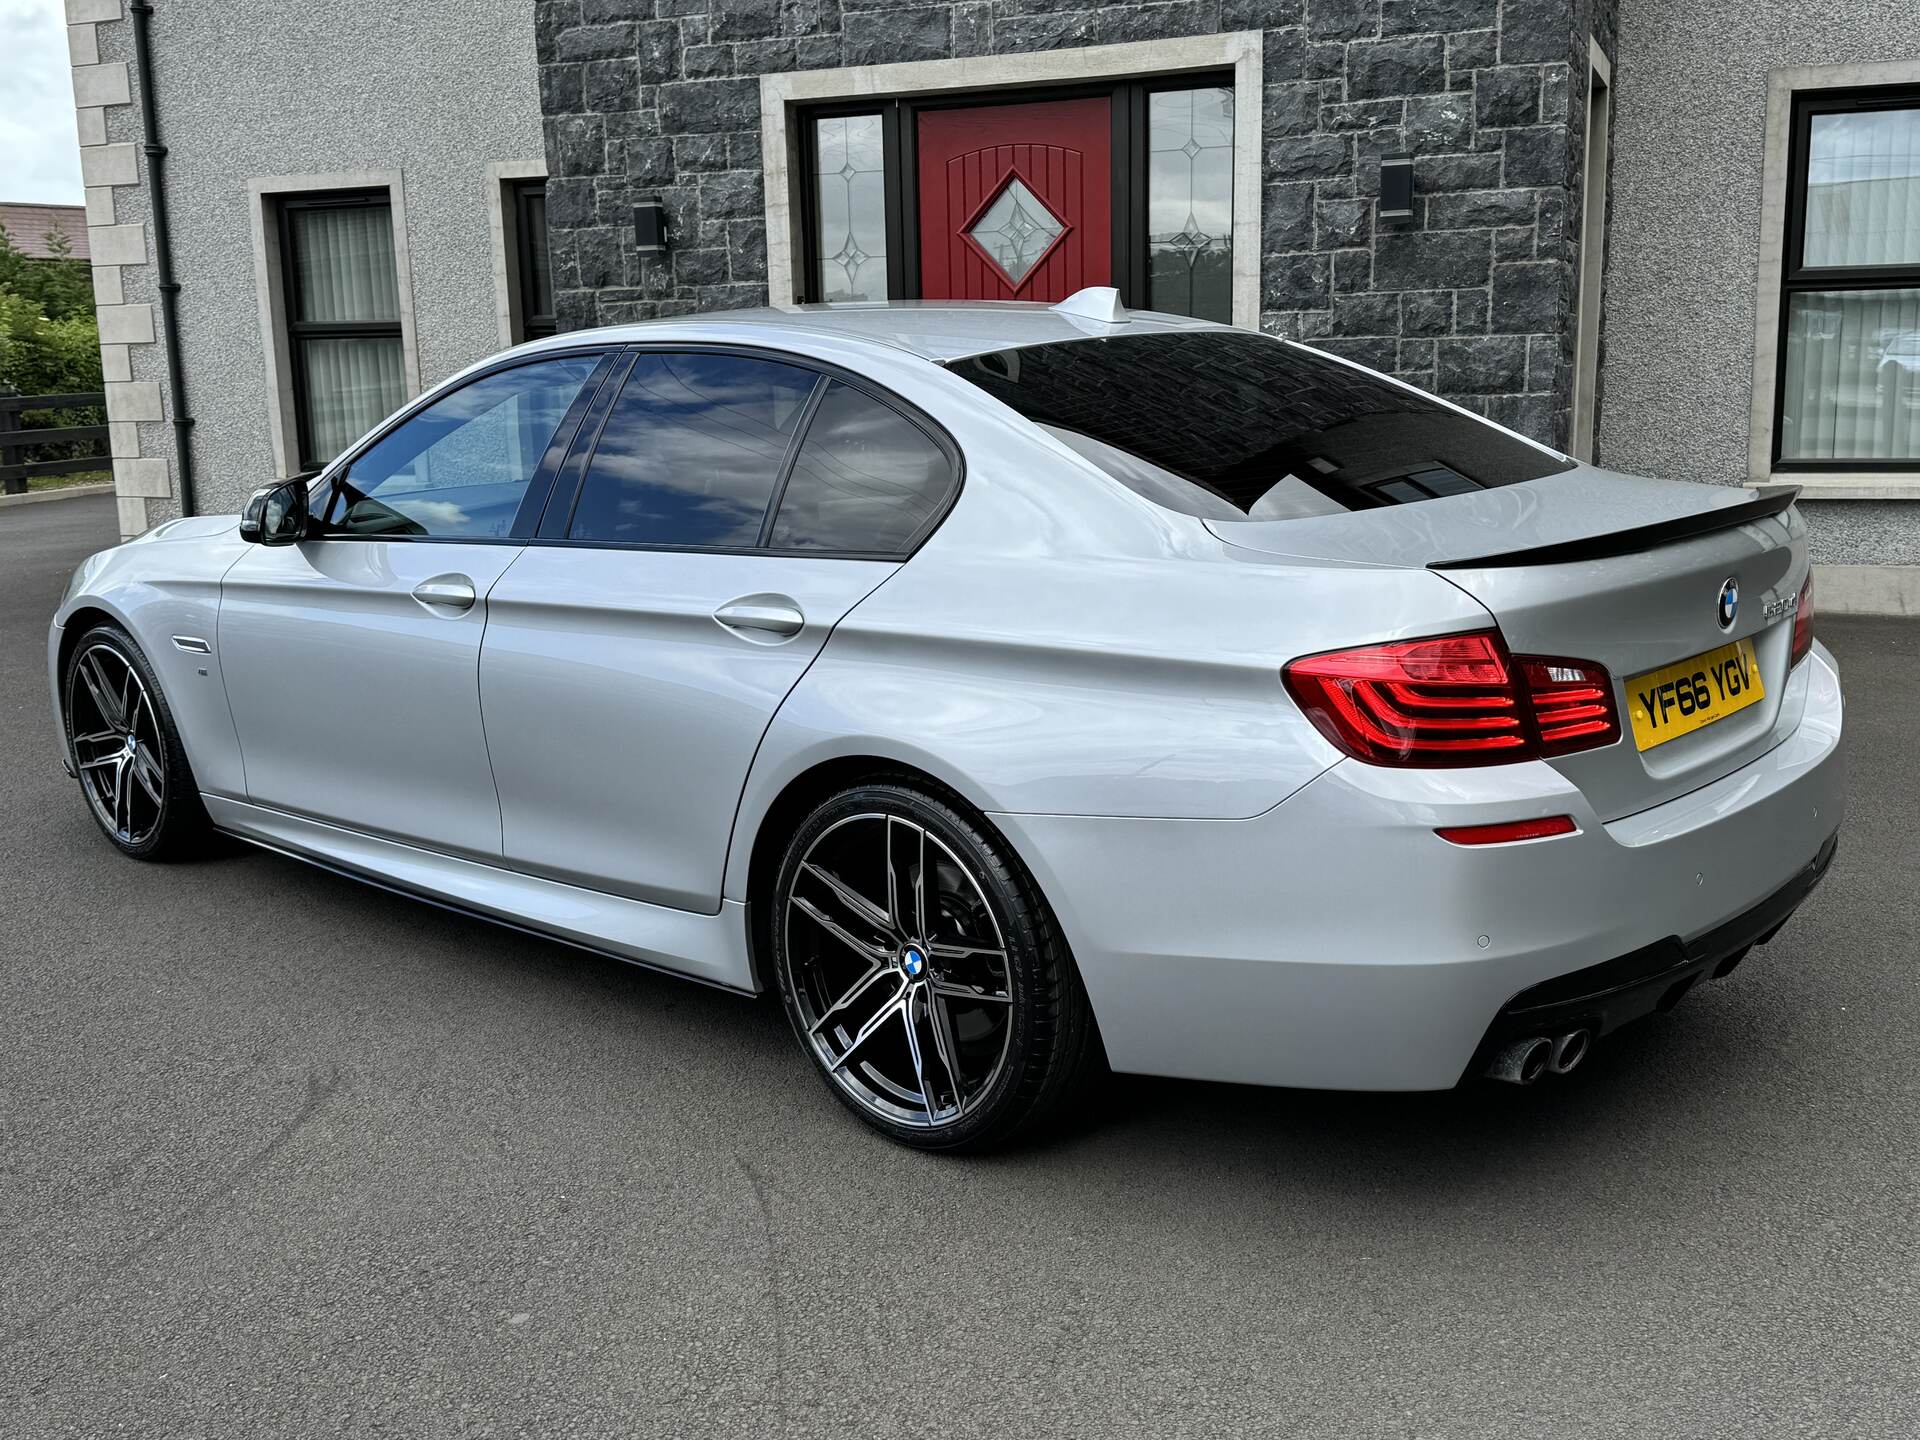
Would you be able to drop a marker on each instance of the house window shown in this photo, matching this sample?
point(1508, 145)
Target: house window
point(343, 318)
point(1849, 378)
point(1025, 195)
point(535, 278)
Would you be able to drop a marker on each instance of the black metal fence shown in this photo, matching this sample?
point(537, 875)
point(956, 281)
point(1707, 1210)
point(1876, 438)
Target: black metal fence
point(30, 425)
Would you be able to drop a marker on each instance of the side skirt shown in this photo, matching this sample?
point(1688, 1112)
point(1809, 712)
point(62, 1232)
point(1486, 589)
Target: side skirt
point(709, 948)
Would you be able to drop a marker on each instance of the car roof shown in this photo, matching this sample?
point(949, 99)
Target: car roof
point(936, 330)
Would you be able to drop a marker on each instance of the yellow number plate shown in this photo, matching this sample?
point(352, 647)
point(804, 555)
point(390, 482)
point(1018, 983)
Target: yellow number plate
point(1676, 700)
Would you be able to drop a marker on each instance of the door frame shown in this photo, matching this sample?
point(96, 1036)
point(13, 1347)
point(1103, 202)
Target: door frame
point(900, 131)
point(1128, 73)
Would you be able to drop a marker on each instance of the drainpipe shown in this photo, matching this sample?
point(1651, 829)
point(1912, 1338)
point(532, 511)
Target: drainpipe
point(156, 154)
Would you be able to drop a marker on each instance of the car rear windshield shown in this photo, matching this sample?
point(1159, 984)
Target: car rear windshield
point(1229, 425)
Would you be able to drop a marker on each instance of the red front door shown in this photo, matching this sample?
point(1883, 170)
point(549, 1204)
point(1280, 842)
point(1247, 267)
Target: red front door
point(1016, 201)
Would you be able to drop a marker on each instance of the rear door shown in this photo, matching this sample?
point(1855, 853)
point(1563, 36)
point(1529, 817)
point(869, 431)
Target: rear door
point(351, 660)
point(734, 506)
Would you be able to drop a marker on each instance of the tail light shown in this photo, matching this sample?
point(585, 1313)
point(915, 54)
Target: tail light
point(1572, 703)
point(1453, 700)
point(1803, 624)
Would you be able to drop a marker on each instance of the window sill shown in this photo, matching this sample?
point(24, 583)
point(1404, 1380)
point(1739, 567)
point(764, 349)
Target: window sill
point(1864, 485)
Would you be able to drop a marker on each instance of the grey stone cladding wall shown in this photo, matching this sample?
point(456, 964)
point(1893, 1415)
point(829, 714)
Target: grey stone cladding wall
point(1472, 298)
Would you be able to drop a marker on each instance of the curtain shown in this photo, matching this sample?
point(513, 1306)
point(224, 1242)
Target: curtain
point(1852, 382)
point(1863, 189)
point(345, 260)
point(353, 383)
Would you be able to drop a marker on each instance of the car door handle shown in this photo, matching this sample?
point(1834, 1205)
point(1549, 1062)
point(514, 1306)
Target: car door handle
point(450, 592)
point(764, 615)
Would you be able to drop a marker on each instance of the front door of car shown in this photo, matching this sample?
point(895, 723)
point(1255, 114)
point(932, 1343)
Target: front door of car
point(736, 507)
point(351, 659)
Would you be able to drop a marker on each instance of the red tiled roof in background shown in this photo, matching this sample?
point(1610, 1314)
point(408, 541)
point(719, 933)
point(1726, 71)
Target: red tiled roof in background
point(28, 226)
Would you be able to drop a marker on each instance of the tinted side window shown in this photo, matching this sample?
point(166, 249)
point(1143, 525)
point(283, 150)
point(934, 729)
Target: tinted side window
point(461, 466)
point(691, 451)
point(867, 479)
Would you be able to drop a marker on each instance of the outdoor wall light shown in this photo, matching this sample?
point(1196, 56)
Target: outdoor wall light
point(650, 226)
point(1396, 187)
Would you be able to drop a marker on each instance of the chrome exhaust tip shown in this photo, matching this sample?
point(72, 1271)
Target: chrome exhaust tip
point(1569, 1050)
point(1522, 1062)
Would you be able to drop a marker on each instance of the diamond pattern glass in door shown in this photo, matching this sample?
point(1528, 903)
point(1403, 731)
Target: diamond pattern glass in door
point(1016, 201)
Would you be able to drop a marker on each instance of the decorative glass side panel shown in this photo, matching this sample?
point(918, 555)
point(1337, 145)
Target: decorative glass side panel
point(1016, 230)
point(1190, 202)
point(1851, 388)
point(1863, 189)
point(851, 165)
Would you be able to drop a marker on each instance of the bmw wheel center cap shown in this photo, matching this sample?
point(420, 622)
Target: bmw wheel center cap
point(914, 963)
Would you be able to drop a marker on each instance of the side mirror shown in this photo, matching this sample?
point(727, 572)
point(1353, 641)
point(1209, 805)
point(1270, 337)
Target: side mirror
point(276, 514)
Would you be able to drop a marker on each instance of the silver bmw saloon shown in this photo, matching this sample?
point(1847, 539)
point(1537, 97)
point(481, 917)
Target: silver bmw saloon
point(1013, 688)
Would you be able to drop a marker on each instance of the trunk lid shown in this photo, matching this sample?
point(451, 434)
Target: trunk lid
point(1628, 575)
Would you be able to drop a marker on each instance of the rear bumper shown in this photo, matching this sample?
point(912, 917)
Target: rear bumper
point(1337, 942)
point(1603, 997)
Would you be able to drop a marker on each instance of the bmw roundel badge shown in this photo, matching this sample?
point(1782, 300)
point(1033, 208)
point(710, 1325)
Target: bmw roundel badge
point(915, 963)
point(1729, 603)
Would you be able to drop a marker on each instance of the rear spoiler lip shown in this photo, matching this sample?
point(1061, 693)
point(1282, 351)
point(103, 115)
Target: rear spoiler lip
point(1637, 537)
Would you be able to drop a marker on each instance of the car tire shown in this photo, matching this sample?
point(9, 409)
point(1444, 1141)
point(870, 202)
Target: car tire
point(125, 750)
point(948, 1022)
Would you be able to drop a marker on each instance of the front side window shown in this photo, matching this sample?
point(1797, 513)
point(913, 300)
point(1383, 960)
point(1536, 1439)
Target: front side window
point(461, 467)
point(1850, 324)
point(867, 480)
point(691, 451)
point(1228, 425)
point(343, 318)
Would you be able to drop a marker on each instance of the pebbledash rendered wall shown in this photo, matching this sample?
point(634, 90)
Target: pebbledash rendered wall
point(271, 90)
point(1690, 113)
point(1472, 299)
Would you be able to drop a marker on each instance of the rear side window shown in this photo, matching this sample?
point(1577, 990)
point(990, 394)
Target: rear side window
point(867, 479)
point(691, 451)
point(1228, 425)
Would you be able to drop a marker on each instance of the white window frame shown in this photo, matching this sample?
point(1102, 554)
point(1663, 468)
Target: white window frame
point(1239, 50)
point(1783, 84)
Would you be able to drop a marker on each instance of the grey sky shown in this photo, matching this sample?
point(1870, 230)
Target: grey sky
point(39, 150)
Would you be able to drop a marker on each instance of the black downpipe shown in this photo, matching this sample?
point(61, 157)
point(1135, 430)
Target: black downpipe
point(156, 154)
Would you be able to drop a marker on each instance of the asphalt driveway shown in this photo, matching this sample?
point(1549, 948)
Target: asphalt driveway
point(284, 1155)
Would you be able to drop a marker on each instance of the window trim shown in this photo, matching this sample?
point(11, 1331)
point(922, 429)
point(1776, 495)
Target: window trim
point(265, 196)
point(1003, 79)
point(503, 178)
point(565, 496)
point(1797, 278)
point(1794, 91)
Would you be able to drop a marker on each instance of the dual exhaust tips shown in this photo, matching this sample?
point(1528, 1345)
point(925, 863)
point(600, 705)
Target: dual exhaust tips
point(1525, 1061)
